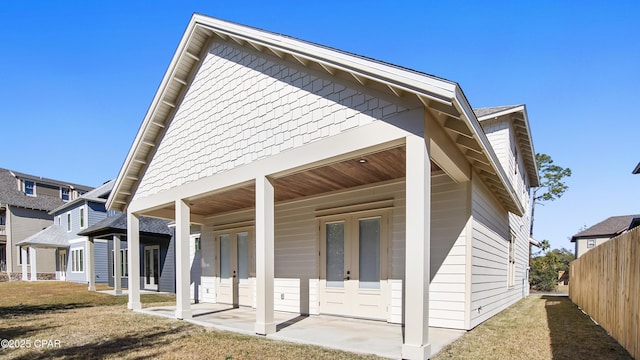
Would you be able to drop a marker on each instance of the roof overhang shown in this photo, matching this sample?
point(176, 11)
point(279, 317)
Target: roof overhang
point(440, 96)
point(520, 121)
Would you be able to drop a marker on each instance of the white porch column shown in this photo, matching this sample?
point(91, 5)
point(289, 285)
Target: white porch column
point(265, 323)
point(418, 226)
point(34, 267)
point(183, 263)
point(117, 264)
point(91, 265)
point(25, 275)
point(133, 247)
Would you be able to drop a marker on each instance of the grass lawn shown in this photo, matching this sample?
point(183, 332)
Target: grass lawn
point(538, 327)
point(93, 325)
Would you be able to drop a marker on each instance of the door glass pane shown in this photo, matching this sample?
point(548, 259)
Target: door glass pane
point(147, 266)
point(243, 258)
point(156, 265)
point(335, 254)
point(224, 259)
point(369, 251)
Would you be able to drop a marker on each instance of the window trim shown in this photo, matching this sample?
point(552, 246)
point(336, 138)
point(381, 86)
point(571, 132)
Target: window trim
point(77, 260)
point(593, 243)
point(69, 223)
point(83, 217)
point(511, 261)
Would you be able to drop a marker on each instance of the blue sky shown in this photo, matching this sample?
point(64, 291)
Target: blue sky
point(76, 78)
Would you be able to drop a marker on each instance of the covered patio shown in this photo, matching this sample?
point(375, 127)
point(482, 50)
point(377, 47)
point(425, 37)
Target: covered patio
point(354, 335)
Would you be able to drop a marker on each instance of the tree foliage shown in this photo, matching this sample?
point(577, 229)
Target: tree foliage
point(552, 184)
point(551, 179)
point(546, 266)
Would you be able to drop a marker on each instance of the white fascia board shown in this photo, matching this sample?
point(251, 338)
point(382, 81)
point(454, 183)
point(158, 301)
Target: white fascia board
point(521, 109)
point(515, 109)
point(407, 80)
point(465, 108)
point(184, 42)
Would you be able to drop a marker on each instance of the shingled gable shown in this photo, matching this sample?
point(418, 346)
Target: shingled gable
point(438, 96)
point(518, 114)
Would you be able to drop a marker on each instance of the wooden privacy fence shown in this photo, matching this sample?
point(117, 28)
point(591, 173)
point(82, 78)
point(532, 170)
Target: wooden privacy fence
point(605, 283)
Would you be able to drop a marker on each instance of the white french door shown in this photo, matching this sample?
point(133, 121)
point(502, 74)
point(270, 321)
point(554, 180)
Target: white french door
point(62, 263)
point(236, 268)
point(353, 258)
point(151, 267)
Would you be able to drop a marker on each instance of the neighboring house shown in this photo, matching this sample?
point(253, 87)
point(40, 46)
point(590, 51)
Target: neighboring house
point(71, 218)
point(157, 251)
point(328, 183)
point(25, 203)
point(603, 232)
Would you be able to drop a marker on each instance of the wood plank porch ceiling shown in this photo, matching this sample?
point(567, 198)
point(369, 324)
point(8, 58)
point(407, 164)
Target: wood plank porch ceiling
point(367, 169)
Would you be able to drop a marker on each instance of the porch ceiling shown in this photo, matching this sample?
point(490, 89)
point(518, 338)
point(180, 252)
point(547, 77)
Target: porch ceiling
point(361, 170)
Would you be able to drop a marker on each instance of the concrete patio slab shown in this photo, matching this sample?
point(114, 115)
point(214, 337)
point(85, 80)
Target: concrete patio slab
point(354, 335)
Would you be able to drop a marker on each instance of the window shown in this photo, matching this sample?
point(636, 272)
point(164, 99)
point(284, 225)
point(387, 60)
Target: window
point(29, 188)
point(68, 221)
point(511, 276)
point(82, 218)
point(591, 243)
point(124, 263)
point(77, 260)
point(64, 194)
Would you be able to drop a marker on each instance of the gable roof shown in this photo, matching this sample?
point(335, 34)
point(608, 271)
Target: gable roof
point(118, 225)
point(97, 195)
point(607, 228)
point(437, 94)
point(51, 236)
point(518, 114)
point(12, 196)
point(637, 169)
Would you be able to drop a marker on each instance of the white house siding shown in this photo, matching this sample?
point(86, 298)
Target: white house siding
point(498, 134)
point(296, 246)
point(449, 217)
point(243, 106)
point(77, 276)
point(489, 265)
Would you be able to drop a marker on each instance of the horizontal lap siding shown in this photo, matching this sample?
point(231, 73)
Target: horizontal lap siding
point(449, 217)
point(296, 246)
point(101, 259)
point(489, 264)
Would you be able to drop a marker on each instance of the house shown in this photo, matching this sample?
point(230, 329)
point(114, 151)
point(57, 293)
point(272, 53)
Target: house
point(602, 232)
point(25, 203)
point(326, 183)
point(71, 218)
point(157, 249)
